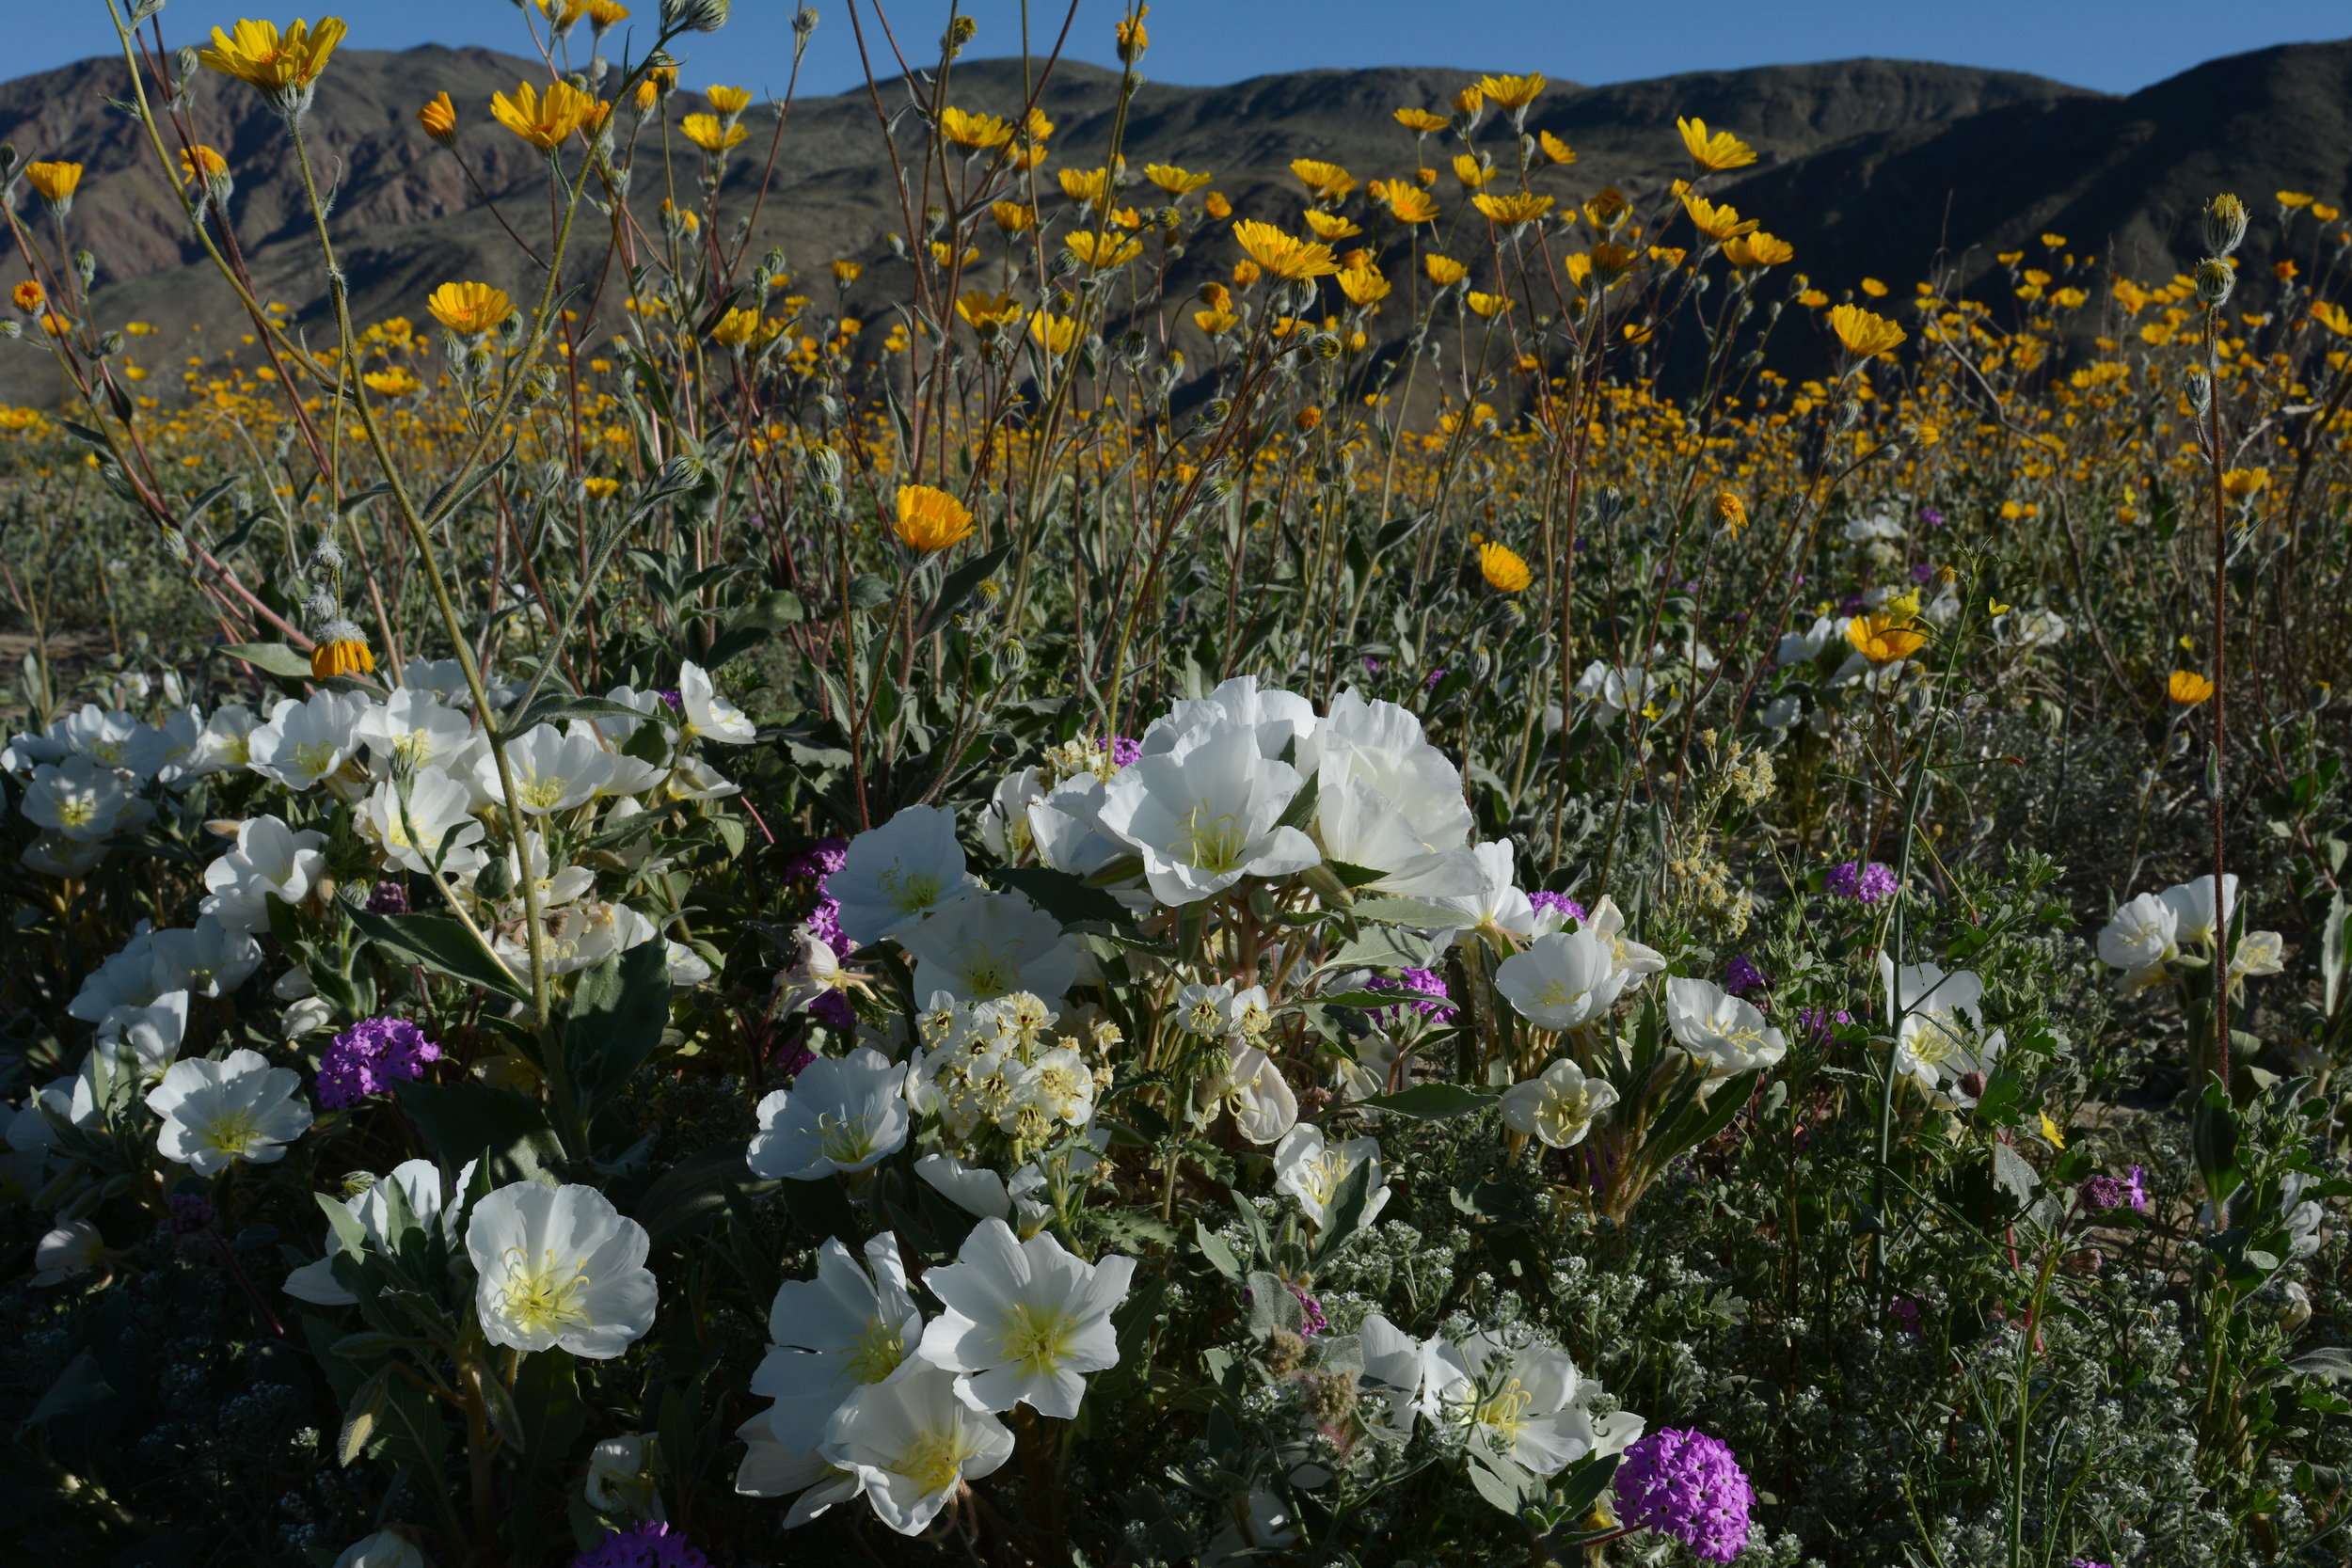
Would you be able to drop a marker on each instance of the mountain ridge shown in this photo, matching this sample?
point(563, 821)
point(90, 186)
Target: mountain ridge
point(1869, 167)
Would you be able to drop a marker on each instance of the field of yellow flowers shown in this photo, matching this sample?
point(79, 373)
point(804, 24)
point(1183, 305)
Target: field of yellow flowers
point(1468, 874)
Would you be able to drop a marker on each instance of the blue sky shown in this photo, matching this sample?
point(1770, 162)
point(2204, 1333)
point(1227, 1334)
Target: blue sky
point(2115, 45)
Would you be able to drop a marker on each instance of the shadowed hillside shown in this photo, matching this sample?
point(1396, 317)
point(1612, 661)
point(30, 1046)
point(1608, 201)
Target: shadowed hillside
point(1869, 166)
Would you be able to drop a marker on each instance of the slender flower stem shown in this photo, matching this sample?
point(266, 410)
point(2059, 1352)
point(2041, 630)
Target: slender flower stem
point(2220, 671)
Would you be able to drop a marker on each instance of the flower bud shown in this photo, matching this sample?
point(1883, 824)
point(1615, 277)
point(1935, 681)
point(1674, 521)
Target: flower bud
point(695, 16)
point(2214, 279)
point(804, 21)
point(2199, 387)
point(2225, 224)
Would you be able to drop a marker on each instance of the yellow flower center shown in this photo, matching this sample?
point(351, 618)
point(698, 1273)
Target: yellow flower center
point(1321, 1177)
point(540, 794)
point(77, 811)
point(934, 1461)
point(314, 756)
point(1212, 842)
point(542, 1295)
point(877, 1352)
point(1564, 1112)
point(1555, 994)
point(1504, 1411)
point(232, 1133)
point(907, 891)
point(845, 1140)
point(1037, 1337)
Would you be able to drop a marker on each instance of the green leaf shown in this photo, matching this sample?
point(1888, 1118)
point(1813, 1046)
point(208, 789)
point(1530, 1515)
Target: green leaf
point(2012, 1175)
point(1434, 1101)
point(756, 621)
point(615, 1023)
point(564, 707)
point(1410, 912)
point(1382, 947)
point(359, 1417)
point(1584, 1486)
point(2331, 1362)
point(441, 943)
point(81, 1387)
point(692, 1192)
point(1067, 898)
point(1273, 1305)
point(276, 658)
point(1216, 1250)
point(464, 1122)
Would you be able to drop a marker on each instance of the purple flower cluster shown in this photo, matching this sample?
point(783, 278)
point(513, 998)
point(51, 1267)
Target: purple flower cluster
point(1905, 1312)
point(1815, 1021)
point(389, 898)
point(1559, 901)
point(366, 1058)
point(1688, 1485)
point(1122, 748)
point(675, 699)
point(1921, 571)
point(652, 1545)
point(814, 864)
point(1931, 517)
point(2112, 1192)
point(1418, 982)
point(190, 1212)
point(1742, 976)
point(1431, 684)
point(1310, 1311)
point(1873, 883)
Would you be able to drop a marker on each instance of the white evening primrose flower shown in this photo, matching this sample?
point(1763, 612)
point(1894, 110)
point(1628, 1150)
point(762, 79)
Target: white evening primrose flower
point(1204, 813)
point(1279, 719)
point(1527, 1401)
point(2031, 628)
point(1723, 1032)
point(206, 959)
point(1264, 1109)
point(558, 1266)
point(842, 1114)
point(1941, 1039)
point(2256, 953)
point(1390, 802)
point(73, 1247)
point(415, 729)
point(2192, 906)
point(1395, 1378)
point(125, 979)
point(990, 945)
point(52, 854)
point(556, 887)
point(1065, 827)
point(154, 1032)
point(620, 1482)
point(411, 820)
point(384, 1549)
point(237, 1108)
point(1629, 957)
point(912, 1443)
point(419, 1184)
point(707, 715)
point(1803, 647)
point(306, 741)
point(894, 875)
point(617, 729)
point(2141, 939)
point(271, 860)
point(849, 1327)
point(1499, 910)
point(1024, 1320)
point(109, 739)
point(578, 937)
point(693, 779)
point(1004, 820)
point(1562, 980)
point(224, 745)
point(552, 772)
point(1312, 1171)
point(84, 800)
point(975, 1188)
point(1559, 1106)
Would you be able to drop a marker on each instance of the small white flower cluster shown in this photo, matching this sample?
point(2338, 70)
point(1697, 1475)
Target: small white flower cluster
point(872, 1398)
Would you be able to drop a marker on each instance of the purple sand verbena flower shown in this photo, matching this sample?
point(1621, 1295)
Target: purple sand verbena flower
point(1815, 1021)
point(1931, 517)
point(1905, 1312)
point(1921, 571)
point(368, 1057)
point(2118, 1192)
point(389, 898)
point(1431, 684)
point(190, 1212)
point(1741, 976)
point(1688, 1485)
point(1873, 883)
point(1310, 1311)
point(652, 1545)
point(1559, 901)
point(1123, 750)
point(1421, 982)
